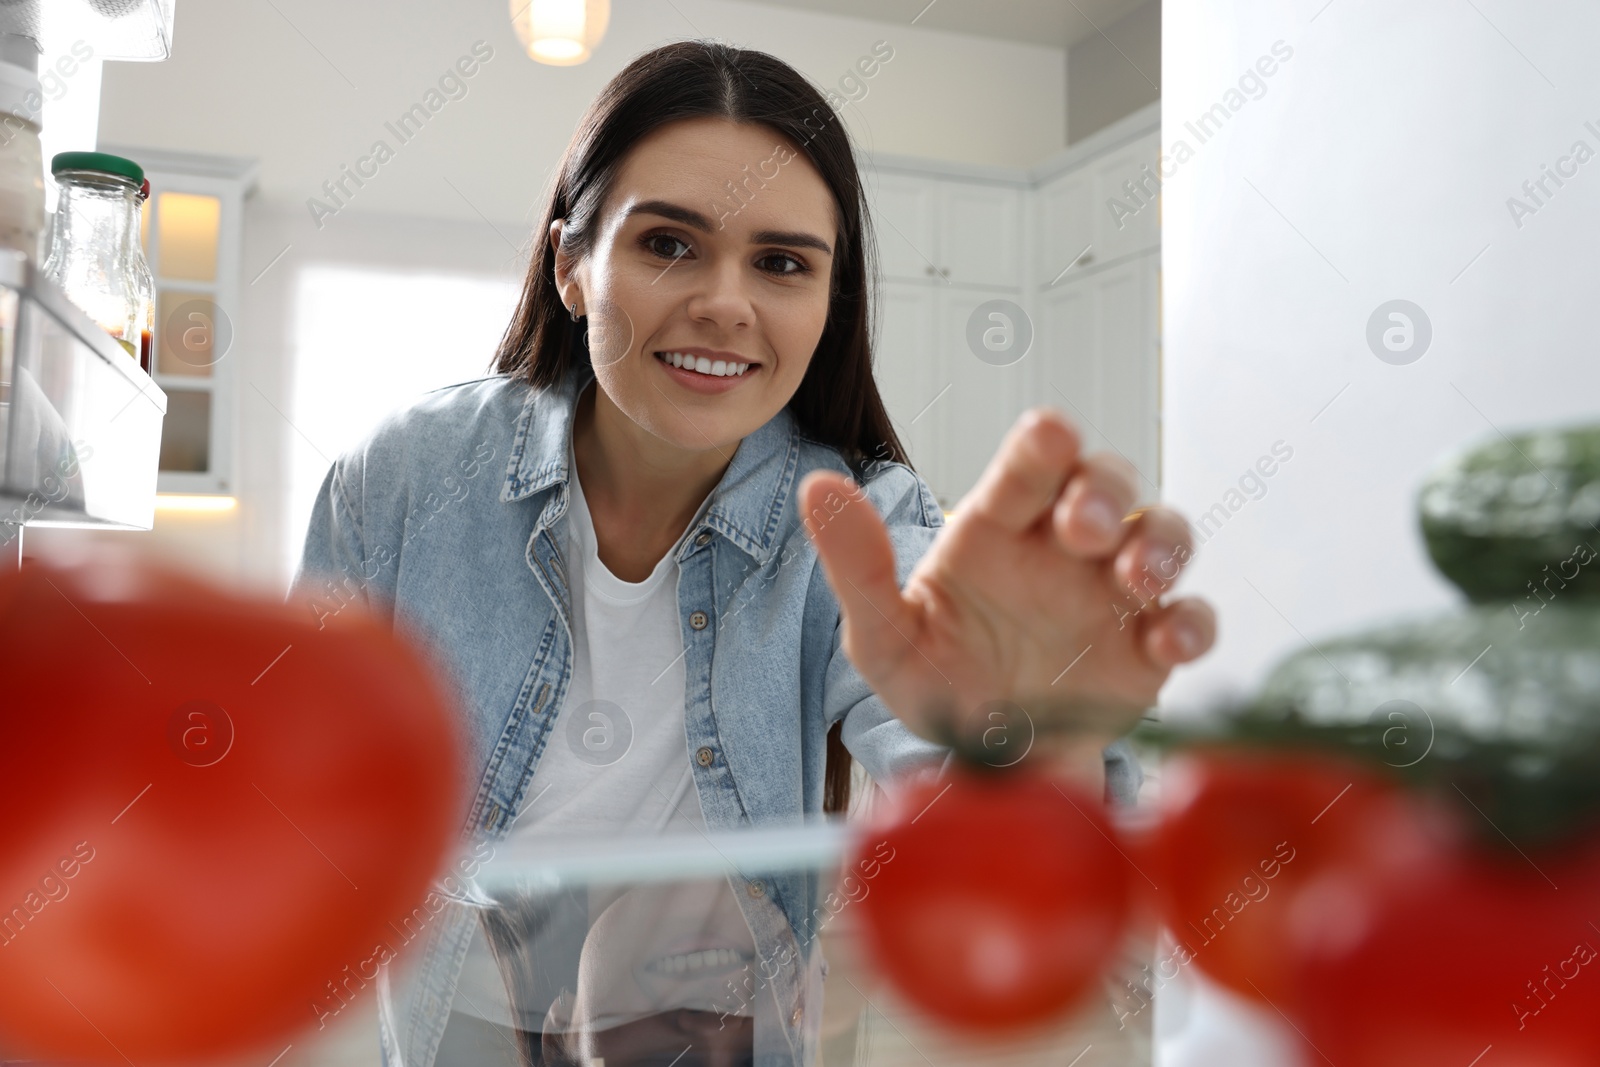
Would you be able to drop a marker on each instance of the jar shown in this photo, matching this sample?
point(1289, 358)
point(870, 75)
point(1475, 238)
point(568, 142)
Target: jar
point(21, 162)
point(94, 244)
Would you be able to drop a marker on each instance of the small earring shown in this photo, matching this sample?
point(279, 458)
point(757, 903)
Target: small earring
point(574, 310)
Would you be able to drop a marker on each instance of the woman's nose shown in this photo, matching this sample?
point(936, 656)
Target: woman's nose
point(722, 297)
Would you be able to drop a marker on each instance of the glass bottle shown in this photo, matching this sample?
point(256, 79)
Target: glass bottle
point(94, 243)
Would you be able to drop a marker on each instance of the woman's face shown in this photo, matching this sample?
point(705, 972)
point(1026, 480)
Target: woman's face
point(716, 242)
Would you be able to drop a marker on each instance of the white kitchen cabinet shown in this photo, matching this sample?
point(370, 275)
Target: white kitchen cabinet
point(1118, 234)
point(953, 230)
point(951, 239)
point(983, 401)
point(1063, 212)
point(946, 245)
point(1077, 217)
point(950, 407)
point(904, 365)
point(190, 231)
point(980, 235)
point(904, 208)
point(1098, 360)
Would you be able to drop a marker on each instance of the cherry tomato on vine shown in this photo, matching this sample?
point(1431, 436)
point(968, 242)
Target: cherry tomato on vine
point(214, 809)
point(1241, 832)
point(1003, 899)
point(1476, 951)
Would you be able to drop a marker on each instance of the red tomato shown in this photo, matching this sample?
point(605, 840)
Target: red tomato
point(1241, 832)
point(1476, 949)
point(996, 899)
point(215, 811)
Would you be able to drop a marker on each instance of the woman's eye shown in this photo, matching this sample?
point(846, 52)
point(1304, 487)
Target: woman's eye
point(785, 264)
point(662, 244)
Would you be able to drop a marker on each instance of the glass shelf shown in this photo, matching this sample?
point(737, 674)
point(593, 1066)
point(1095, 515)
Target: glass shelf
point(679, 948)
point(80, 423)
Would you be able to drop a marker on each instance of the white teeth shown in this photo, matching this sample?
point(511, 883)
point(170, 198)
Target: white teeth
point(702, 365)
point(696, 961)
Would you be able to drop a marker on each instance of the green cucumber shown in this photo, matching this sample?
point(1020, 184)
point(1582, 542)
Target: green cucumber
point(1497, 705)
point(1518, 518)
point(1479, 704)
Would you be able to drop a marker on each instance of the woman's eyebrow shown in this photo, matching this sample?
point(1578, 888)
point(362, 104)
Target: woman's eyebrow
point(694, 219)
point(793, 239)
point(668, 210)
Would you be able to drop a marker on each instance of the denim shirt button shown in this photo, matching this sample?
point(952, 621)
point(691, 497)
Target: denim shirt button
point(794, 1020)
point(698, 620)
point(757, 888)
point(705, 537)
point(704, 756)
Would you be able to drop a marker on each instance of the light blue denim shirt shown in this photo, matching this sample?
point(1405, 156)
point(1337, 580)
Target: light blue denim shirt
point(448, 521)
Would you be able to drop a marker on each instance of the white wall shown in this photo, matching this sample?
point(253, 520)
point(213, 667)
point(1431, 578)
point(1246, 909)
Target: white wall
point(309, 90)
point(1375, 165)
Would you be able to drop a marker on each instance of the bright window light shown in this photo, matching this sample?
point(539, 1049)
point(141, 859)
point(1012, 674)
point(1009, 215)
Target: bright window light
point(194, 502)
point(366, 342)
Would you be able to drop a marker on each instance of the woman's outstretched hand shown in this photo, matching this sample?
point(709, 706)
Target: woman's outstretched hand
point(1042, 590)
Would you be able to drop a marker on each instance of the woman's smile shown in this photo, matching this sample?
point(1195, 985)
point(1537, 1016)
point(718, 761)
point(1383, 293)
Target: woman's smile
point(705, 372)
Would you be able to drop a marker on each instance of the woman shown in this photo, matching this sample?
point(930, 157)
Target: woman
point(616, 557)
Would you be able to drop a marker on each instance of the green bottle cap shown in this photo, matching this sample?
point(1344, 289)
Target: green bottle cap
point(103, 162)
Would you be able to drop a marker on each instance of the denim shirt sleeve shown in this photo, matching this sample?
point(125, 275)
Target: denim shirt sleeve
point(886, 748)
point(331, 559)
point(338, 564)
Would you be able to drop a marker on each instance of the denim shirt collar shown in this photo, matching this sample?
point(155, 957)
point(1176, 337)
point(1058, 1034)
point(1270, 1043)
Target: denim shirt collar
point(746, 505)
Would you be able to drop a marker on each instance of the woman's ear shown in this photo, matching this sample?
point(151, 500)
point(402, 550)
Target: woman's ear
point(566, 283)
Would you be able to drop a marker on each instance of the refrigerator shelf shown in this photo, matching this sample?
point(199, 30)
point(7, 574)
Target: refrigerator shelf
point(80, 422)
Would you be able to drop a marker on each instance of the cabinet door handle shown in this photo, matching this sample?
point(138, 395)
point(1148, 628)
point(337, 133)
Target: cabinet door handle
point(1086, 258)
point(931, 270)
point(944, 272)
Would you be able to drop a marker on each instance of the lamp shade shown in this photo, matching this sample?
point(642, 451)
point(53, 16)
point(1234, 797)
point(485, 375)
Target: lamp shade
point(562, 33)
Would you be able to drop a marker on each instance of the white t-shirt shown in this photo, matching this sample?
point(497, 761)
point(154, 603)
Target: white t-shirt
point(616, 758)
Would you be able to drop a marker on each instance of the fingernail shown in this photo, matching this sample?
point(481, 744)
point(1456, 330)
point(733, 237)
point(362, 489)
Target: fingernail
point(1098, 513)
point(1188, 640)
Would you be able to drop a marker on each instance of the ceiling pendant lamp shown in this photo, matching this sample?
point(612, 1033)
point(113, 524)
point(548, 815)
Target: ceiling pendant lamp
point(562, 33)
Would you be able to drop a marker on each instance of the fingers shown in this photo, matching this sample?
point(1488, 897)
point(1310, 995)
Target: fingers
point(1089, 519)
point(1025, 476)
point(1156, 544)
point(1159, 542)
point(1180, 631)
point(858, 561)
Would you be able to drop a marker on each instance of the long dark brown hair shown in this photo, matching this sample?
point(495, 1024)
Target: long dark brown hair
point(837, 402)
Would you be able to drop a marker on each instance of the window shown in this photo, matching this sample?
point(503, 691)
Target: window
point(357, 358)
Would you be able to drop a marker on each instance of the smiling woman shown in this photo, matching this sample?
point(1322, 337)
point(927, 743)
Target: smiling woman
point(686, 404)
